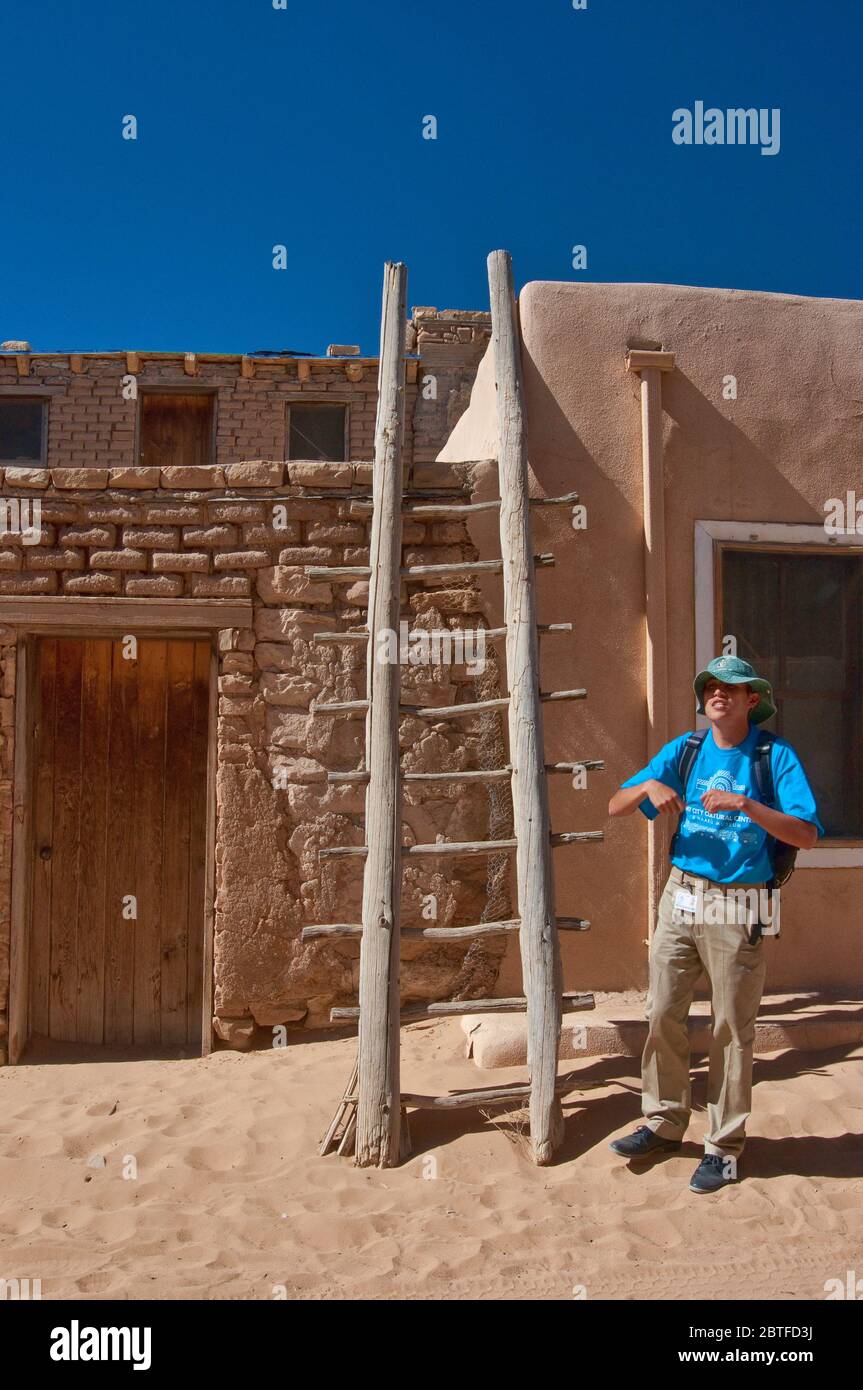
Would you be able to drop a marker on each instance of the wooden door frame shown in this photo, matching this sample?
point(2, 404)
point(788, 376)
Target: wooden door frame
point(171, 619)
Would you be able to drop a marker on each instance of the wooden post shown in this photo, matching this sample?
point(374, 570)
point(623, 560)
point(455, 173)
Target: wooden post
point(538, 936)
point(379, 1108)
point(650, 366)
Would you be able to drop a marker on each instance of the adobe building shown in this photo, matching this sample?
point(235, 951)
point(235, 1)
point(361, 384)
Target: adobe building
point(163, 792)
point(711, 436)
point(163, 803)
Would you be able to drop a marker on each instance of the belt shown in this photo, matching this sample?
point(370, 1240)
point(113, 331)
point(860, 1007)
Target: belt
point(684, 876)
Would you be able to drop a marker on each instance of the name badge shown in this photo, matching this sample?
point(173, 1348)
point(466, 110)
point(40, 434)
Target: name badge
point(685, 901)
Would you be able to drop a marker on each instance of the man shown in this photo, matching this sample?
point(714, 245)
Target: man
point(723, 846)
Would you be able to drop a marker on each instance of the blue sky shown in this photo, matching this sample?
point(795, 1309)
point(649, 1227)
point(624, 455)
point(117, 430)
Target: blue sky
point(303, 127)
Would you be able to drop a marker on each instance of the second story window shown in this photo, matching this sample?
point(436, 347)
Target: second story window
point(22, 431)
point(176, 429)
point(318, 432)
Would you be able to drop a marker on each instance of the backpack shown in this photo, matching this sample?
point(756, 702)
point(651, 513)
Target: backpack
point(782, 856)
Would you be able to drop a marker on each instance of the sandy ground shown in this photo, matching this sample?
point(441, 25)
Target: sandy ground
point(231, 1199)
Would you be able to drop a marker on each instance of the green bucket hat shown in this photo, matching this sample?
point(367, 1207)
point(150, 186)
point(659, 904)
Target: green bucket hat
point(733, 670)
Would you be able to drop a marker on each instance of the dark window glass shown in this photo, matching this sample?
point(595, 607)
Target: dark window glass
point(176, 430)
point(21, 431)
point(317, 432)
point(799, 620)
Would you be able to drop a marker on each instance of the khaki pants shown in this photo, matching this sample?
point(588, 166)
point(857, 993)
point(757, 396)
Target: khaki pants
point(683, 946)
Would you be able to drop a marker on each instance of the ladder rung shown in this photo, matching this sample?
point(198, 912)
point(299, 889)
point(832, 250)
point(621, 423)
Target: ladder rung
point(544, 561)
point(496, 774)
point(440, 933)
point(577, 837)
point(497, 1095)
point(337, 571)
point(572, 1003)
point(340, 707)
point(490, 634)
point(589, 765)
point(341, 637)
point(566, 837)
point(445, 509)
point(462, 711)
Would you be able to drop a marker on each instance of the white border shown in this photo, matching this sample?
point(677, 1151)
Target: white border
point(760, 533)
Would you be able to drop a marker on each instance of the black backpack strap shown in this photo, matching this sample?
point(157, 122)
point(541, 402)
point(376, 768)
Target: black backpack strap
point(763, 769)
point(685, 760)
point(687, 755)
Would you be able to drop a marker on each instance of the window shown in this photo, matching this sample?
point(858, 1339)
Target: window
point(798, 618)
point(318, 432)
point(176, 429)
point(22, 430)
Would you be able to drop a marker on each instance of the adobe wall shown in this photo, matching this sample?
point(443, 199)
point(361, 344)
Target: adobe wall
point(275, 809)
point(111, 528)
point(792, 439)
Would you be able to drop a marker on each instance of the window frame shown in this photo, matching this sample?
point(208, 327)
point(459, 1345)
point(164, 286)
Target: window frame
point(711, 539)
point(319, 400)
point(37, 398)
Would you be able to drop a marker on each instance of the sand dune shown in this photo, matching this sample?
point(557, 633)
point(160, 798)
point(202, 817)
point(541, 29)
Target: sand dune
point(231, 1200)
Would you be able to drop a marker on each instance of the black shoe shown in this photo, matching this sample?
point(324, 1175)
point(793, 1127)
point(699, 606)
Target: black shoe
point(642, 1142)
point(714, 1171)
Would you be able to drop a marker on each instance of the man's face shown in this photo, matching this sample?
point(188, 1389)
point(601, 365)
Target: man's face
point(721, 700)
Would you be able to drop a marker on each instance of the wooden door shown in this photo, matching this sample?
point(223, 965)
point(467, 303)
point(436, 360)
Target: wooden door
point(119, 831)
point(176, 429)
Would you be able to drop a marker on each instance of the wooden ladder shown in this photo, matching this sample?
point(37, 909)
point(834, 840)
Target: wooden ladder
point(371, 1119)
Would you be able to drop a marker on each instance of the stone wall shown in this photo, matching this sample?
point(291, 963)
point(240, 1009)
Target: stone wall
point(109, 530)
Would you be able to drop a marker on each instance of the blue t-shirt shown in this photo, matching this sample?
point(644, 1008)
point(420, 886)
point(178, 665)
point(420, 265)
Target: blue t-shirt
point(727, 847)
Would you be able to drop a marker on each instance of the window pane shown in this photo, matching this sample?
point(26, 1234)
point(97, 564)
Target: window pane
point(317, 432)
point(799, 620)
point(21, 431)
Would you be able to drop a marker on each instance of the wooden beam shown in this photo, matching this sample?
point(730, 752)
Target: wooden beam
point(304, 370)
point(354, 371)
point(22, 362)
point(539, 946)
point(76, 363)
point(638, 360)
point(133, 363)
point(247, 367)
point(456, 1008)
point(37, 614)
point(378, 1136)
point(190, 364)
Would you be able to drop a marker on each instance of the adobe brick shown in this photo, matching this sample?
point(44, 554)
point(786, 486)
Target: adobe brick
point(118, 559)
point(91, 584)
point(154, 586)
point(67, 559)
point(151, 537)
point(224, 534)
point(180, 562)
point(89, 535)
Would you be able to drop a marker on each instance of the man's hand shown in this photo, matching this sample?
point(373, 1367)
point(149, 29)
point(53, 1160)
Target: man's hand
point(664, 798)
point(714, 801)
